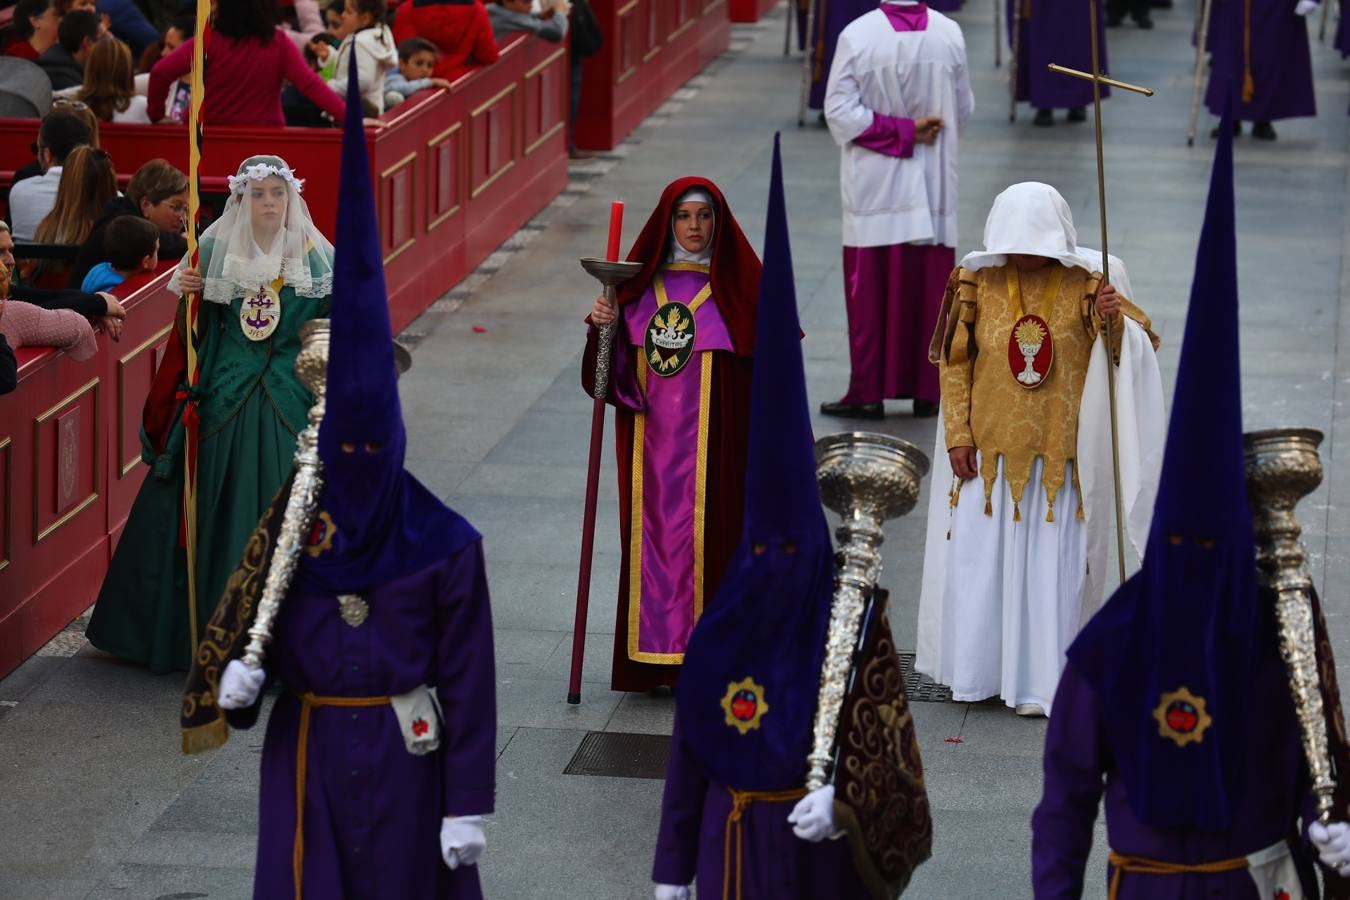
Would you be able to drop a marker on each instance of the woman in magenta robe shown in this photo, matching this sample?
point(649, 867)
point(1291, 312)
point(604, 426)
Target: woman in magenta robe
point(681, 391)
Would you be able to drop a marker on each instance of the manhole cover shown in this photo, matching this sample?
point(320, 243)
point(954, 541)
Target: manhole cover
point(616, 754)
point(921, 687)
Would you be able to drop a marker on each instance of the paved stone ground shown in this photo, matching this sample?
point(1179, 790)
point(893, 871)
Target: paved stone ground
point(95, 799)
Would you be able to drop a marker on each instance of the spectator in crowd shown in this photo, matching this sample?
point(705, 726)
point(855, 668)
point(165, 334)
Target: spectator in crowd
point(9, 366)
point(128, 22)
point(332, 16)
point(583, 39)
point(105, 310)
point(64, 61)
point(32, 198)
point(87, 185)
point(511, 16)
point(416, 62)
point(65, 6)
point(244, 71)
point(109, 88)
point(178, 31)
point(318, 52)
point(158, 193)
point(460, 29)
point(309, 23)
point(36, 23)
point(369, 38)
point(133, 247)
point(25, 325)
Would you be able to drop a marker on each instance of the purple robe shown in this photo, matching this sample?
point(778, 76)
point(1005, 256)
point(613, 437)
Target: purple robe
point(1078, 765)
point(1343, 29)
point(372, 810)
point(1055, 31)
point(775, 864)
point(1280, 61)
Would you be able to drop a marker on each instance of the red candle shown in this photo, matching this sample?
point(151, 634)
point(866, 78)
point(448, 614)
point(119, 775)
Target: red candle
point(615, 230)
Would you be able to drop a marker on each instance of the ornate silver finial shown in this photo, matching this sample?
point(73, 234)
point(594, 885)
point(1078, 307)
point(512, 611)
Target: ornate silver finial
point(1282, 468)
point(867, 479)
point(610, 274)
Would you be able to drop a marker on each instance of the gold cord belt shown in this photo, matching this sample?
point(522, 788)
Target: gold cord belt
point(1142, 865)
point(739, 801)
point(308, 703)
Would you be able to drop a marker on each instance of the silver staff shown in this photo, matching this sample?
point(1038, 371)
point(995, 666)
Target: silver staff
point(867, 479)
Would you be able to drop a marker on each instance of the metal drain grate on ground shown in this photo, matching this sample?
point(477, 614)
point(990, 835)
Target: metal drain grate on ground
point(616, 754)
point(921, 687)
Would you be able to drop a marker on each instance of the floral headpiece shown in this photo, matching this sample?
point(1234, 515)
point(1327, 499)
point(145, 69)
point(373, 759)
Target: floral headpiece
point(259, 171)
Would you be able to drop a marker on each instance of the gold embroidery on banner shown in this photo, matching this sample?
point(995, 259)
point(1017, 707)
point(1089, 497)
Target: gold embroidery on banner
point(701, 478)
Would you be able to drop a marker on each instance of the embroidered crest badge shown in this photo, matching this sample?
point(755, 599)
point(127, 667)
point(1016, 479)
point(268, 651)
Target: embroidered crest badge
point(1031, 352)
point(320, 534)
point(1181, 716)
point(744, 705)
point(670, 339)
point(260, 314)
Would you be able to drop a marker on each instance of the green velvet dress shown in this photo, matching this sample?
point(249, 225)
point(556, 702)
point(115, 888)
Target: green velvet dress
point(252, 406)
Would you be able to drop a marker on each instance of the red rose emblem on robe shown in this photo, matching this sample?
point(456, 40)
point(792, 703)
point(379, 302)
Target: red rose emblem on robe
point(419, 727)
point(743, 706)
point(1181, 717)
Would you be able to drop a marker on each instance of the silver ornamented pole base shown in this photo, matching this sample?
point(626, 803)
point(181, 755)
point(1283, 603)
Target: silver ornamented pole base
point(1283, 467)
point(611, 275)
point(867, 479)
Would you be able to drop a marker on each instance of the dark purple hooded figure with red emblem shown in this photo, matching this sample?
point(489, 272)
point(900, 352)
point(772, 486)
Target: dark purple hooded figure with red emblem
point(1174, 710)
point(379, 758)
point(681, 392)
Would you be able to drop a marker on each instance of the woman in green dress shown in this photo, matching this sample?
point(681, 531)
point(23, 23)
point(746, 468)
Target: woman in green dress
point(265, 271)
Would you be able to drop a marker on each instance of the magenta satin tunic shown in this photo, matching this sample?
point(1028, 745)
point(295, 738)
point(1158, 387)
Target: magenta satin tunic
point(668, 479)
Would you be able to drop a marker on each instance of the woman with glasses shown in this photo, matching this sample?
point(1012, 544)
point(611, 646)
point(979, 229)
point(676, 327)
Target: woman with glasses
point(157, 192)
point(265, 270)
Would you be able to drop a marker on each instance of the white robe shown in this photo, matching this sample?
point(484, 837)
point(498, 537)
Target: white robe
point(999, 621)
point(911, 74)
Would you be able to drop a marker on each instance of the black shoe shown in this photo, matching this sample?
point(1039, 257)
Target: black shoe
point(1263, 131)
point(1145, 21)
point(1237, 130)
point(1044, 118)
point(1077, 113)
point(1114, 20)
point(925, 409)
point(853, 410)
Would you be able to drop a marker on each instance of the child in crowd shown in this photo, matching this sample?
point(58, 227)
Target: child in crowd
point(26, 325)
point(511, 16)
point(132, 246)
point(461, 32)
point(369, 38)
point(317, 51)
point(416, 61)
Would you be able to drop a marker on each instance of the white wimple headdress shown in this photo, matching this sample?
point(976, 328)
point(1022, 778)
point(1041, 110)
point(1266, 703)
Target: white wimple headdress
point(234, 264)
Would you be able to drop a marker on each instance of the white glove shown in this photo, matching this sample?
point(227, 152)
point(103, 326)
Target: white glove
point(671, 892)
point(1306, 7)
point(240, 685)
point(1333, 845)
point(462, 840)
point(812, 819)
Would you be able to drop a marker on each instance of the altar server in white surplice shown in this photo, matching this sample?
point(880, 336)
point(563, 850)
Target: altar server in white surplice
point(898, 92)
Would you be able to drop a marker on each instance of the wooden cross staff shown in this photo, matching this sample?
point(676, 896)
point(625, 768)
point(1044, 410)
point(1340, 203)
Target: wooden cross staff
point(1098, 78)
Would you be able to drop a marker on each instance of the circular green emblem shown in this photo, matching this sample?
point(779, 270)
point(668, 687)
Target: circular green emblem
point(670, 339)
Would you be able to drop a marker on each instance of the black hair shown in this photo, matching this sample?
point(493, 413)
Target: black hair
point(241, 19)
point(26, 10)
point(335, 6)
point(184, 25)
point(129, 239)
point(61, 132)
point(410, 47)
point(77, 25)
point(378, 10)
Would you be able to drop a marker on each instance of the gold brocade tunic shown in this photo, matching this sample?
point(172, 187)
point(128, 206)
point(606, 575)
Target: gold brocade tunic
point(983, 404)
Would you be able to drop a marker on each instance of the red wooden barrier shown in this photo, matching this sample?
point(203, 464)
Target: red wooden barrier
point(69, 469)
point(456, 171)
point(749, 10)
point(652, 47)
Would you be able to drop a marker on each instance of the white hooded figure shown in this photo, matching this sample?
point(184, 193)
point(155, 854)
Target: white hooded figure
point(1016, 560)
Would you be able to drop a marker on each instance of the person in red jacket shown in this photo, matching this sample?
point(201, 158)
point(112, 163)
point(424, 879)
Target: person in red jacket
point(459, 28)
point(249, 60)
